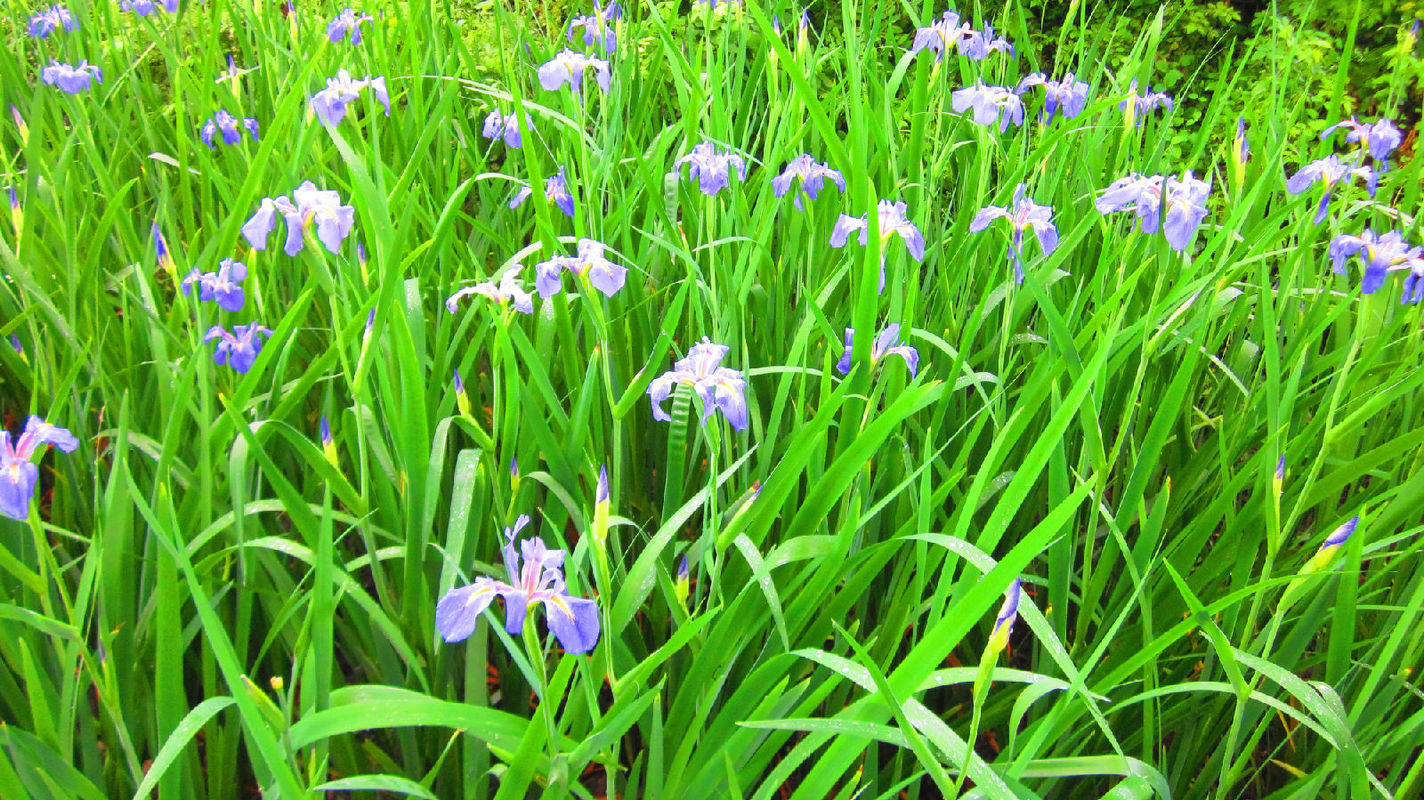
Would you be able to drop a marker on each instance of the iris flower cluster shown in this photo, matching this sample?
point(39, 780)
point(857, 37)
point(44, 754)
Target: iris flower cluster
point(18, 472)
point(501, 125)
point(719, 388)
point(307, 206)
point(71, 79)
point(1177, 205)
point(949, 32)
point(229, 126)
point(330, 103)
point(990, 104)
point(536, 578)
point(1067, 95)
point(1381, 256)
point(1023, 214)
point(49, 20)
point(222, 287)
point(598, 26)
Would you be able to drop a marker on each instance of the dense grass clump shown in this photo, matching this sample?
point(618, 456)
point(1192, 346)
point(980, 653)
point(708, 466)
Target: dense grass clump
point(1158, 411)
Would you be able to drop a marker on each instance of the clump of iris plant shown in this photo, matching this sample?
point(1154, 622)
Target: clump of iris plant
point(1136, 104)
point(347, 23)
point(509, 291)
point(1023, 214)
point(144, 8)
point(330, 103)
point(811, 175)
point(892, 222)
point(1068, 95)
point(1378, 138)
point(222, 287)
point(229, 126)
point(538, 580)
point(1381, 255)
point(568, 68)
point(887, 343)
point(710, 168)
point(18, 472)
point(990, 104)
point(71, 79)
point(602, 274)
point(501, 125)
point(307, 206)
point(239, 348)
point(49, 20)
point(719, 388)
point(1184, 199)
point(598, 26)
point(1329, 171)
point(556, 191)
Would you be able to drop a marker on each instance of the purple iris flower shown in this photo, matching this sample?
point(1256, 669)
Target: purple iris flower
point(71, 79)
point(893, 222)
point(1008, 613)
point(1022, 215)
point(942, 35)
point(812, 176)
point(1330, 171)
point(887, 343)
point(604, 275)
point(556, 191)
point(144, 8)
point(506, 126)
point(347, 23)
point(50, 20)
point(1137, 104)
point(160, 249)
point(710, 168)
point(509, 291)
point(569, 67)
point(1382, 255)
point(720, 388)
point(1184, 199)
point(977, 46)
point(1380, 137)
point(598, 26)
point(990, 104)
point(239, 348)
point(308, 205)
point(221, 286)
point(1068, 95)
point(538, 580)
point(229, 126)
point(330, 103)
point(18, 473)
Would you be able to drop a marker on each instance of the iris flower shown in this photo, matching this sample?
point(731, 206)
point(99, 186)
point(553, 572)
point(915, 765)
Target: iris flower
point(812, 176)
point(1330, 548)
point(1240, 147)
point(1380, 137)
point(160, 250)
point(893, 222)
point(710, 168)
point(229, 126)
point(18, 473)
point(1330, 171)
point(1184, 198)
point(942, 35)
point(1022, 214)
point(556, 191)
point(598, 26)
point(72, 80)
point(604, 275)
point(1008, 613)
point(887, 343)
point(50, 20)
point(720, 388)
point(1068, 95)
point(569, 67)
point(977, 46)
point(239, 348)
point(308, 205)
point(538, 580)
point(330, 103)
point(144, 8)
point(499, 125)
point(990, 104)
point(508, 292)
point(1382, 255)
point(1145, 103)
point(347, 23)
point(222, 286)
